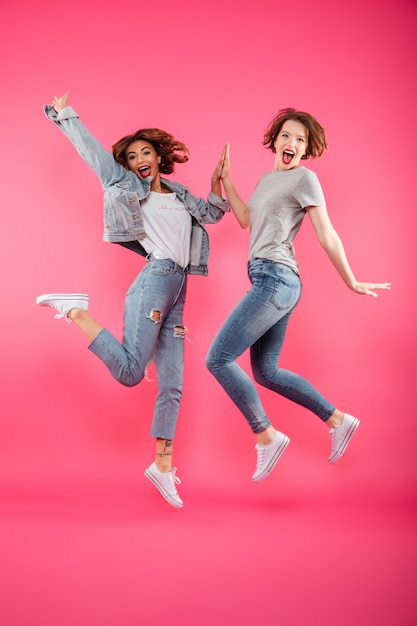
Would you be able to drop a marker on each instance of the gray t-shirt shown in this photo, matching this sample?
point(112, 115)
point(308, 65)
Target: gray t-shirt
point(276, 211)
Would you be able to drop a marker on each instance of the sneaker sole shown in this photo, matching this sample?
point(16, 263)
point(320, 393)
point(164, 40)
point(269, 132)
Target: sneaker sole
point(345, 442)
point(44, 299)
point(162, 491)
point(273, 461)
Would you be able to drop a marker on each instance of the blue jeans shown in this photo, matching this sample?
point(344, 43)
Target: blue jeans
point(153, 330)
point(259, 322)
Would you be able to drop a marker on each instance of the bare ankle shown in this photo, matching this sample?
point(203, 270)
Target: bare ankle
point(163, 460)
point(163, 463)
point(76, 314)
point(265, 437)
point(335, 420)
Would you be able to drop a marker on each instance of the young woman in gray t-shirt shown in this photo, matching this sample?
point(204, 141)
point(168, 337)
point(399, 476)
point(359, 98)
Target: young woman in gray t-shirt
point(274, 214)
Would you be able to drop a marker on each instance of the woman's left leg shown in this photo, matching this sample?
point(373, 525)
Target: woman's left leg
point(169, 363)
point(265, 354)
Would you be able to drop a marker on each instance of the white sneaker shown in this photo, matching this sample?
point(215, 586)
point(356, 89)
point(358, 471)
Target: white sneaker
point(269, 455)
point(165, 482)
point(64, 302)
point(341, 435)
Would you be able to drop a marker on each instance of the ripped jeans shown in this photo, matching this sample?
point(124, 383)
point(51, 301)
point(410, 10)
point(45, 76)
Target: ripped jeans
point(259, 322)
point(153, 330)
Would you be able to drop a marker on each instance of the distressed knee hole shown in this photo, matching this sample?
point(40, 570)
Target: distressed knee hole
point(179, 332)
point(155, 316)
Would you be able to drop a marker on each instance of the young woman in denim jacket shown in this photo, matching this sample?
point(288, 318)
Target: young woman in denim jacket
point(274, 214)
point(161, 220)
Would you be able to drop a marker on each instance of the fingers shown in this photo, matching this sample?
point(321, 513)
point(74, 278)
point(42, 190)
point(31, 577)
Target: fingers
point(368, 289)
point(226, 152)
point(385, 286)
point(60, 100)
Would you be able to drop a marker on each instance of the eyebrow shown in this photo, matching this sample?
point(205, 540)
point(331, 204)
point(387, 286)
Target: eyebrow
point(135, 151)
point(289, 133)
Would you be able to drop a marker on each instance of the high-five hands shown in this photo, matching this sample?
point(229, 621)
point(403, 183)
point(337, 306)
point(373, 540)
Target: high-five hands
point(223, 166)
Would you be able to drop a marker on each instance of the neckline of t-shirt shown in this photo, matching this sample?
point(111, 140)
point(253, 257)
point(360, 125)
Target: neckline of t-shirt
point(159, 193)
point(293, 169)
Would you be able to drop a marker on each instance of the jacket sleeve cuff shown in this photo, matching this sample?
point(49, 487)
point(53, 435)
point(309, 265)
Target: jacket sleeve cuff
point(220, 203)
point(65, 114)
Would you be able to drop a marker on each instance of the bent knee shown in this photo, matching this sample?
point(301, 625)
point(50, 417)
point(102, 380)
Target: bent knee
point(210, 361)
point(129, 382)
point(129, 379)
point(216, 361)
point(260, 377)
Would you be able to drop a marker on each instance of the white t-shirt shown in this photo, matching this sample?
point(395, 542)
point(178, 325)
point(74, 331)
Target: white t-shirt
point(168, 227)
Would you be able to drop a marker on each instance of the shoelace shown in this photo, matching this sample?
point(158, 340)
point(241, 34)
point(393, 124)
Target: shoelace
point(59, 316)
point(175, 478)
point(334, 437)
point(333, 432)
point(171, 479)
point(261, 454)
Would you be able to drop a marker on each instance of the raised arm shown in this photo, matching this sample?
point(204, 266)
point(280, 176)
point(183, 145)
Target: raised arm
point(332, 244)
point(100, 160)
point(222, 172)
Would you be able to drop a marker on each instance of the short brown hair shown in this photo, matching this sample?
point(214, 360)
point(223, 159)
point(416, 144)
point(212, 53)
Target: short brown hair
point(316, 135)
point(167, 147)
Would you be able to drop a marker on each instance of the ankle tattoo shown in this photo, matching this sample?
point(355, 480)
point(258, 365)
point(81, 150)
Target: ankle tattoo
point(168, 444)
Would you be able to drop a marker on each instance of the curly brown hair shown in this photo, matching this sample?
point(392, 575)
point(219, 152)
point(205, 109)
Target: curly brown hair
point(167, 147)
point(316, 135)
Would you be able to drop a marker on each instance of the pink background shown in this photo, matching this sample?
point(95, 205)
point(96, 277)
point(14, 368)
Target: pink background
point(83, 538)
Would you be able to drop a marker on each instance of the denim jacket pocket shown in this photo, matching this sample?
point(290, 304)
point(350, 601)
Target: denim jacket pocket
point(122, 213)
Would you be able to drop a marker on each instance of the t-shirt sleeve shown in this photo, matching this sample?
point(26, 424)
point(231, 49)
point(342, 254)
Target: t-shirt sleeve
point(309, 191)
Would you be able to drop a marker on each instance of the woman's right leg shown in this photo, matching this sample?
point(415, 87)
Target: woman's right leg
point(241, 329)
point(148, 300)
point(231, 341)
point(248, 321)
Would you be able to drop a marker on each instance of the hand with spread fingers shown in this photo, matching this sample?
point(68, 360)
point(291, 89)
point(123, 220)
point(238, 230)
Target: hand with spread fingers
point(60, 102)
point(367, 289)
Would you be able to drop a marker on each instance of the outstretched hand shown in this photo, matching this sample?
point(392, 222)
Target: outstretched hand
point(367, 289)
point(60, 102)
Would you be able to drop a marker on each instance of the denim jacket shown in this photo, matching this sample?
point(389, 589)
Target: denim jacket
point(124, 191)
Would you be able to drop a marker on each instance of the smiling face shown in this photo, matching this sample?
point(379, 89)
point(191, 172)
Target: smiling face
point(290, 145)
point(142, 158)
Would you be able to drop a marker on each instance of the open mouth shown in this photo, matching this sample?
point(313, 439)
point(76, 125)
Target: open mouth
point(287, 157)
point(144, 171)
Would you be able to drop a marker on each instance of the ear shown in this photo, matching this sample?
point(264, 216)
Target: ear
point(159, 158)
